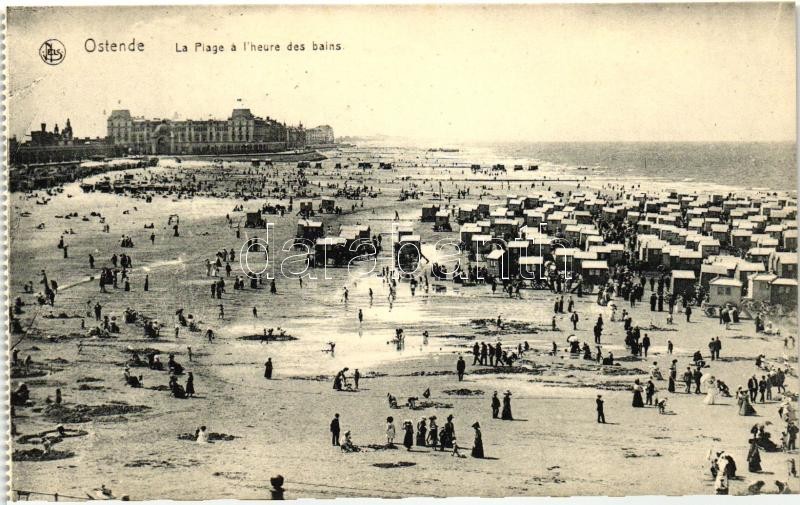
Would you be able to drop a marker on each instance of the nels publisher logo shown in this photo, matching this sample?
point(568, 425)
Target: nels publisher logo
point(52, 52)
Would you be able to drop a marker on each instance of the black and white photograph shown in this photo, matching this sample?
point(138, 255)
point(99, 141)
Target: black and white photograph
point(276, 252)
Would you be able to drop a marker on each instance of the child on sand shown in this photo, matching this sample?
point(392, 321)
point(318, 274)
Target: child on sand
point(390, 431)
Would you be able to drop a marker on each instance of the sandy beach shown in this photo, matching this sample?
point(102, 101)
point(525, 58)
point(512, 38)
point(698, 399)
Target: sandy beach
point(554, 446)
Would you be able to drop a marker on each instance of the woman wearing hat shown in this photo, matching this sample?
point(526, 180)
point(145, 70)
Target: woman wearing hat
point(422, 431)
point(433, 432)
point(477, 447)
point(448, 433)
point(637, 394)
point(408, 439)
point(506, 415)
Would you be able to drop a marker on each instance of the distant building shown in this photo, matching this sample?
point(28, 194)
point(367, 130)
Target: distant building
point(58, 146)
point(242, 132)
point(320, 135)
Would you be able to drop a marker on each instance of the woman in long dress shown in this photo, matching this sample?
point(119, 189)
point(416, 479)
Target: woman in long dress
point(506, 415)
point(422, 432)
point(754, 457)
point(190, 385)
point(433, 433)
point(477, 447)
point(711, 394)
point(408, 439)
point(745, 408)
point(637, 394)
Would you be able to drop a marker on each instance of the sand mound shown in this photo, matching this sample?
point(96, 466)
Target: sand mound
point(51, 436)
point(21, 373)
point(381, 447)
point(317, 378)
point(68, 336)
point(269, 338)
point(455, 336)
point(84, 413)
point(212, 437)
point(89, 387)
point(507, 370)
point(488, 327)
point(399, 464)
point(142, 351)
point(40, 455)
point(62, 315)
point(433, 405)
point(648, 453)
point(433, 373)
point(138, 463)
point(463, 392)
point(622, 371)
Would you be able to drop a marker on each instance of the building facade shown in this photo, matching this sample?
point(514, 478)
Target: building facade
point(322, 134)
point(58, 146)
point(242, 132)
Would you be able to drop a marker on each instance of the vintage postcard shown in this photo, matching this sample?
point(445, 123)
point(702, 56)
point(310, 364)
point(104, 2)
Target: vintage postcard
point(283, 252)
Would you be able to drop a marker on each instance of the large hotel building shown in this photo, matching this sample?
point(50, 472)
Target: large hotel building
point(242, 132)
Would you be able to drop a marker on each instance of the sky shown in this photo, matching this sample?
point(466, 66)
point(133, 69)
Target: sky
point(702, 72)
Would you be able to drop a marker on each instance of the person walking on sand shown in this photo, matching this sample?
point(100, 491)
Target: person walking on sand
point(335, 430)
point(698, 377)
point(645, 344)
point(687, 379)
point(461, 366)
point(601, 417)
point(190, 385)
point(422, 432)
point(433, 432)
point(574, 318)
point(477, 446)
point(360, 316)
point(268, 369)
point(221, 312)
point(495, 406)
point(408, 438)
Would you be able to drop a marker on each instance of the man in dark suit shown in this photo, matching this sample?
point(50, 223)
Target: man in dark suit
point(495, 406)
point(460, 367)
point(335, 430)
point(752, 386)
point(601, 417)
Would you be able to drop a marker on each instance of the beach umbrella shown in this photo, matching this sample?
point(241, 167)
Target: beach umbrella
point(572, 338)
